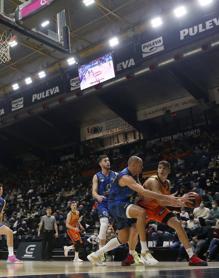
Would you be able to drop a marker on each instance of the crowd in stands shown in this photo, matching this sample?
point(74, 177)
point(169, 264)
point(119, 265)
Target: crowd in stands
point(194, 157)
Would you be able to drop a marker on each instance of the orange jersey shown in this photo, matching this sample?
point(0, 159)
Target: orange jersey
point(74, 219)
point(152, 204)
point(74, 234)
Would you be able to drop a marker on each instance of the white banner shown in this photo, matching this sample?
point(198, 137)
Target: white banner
point(17, 104)
point(151, 47)
point(104, 129)
point(172, 106)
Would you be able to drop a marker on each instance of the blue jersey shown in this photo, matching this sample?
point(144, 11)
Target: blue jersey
point(105, 183)
point(2, 203)
point(122, 194)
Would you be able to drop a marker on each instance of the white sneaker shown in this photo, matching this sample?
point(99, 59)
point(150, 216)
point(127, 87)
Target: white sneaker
point(95, 260)
point(148, 259)
point(137, 259)
point(66, 251)
point(77, 260)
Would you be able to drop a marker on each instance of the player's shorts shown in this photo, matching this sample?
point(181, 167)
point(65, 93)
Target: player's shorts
point(118, 213)
point(74, 235)
point(103, 210)
point(158, 214)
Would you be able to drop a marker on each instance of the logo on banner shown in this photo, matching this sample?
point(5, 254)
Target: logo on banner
point(125, 64)
point(29, 251)
point(74, 83)
point(45, 94)
point(2, 111)
point(17, 104)
point(152, 47)
point(200, 28)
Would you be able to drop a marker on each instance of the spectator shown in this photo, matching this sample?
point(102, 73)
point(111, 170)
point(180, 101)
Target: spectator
point(201, 211)
point(214, 244)
point(184, 214)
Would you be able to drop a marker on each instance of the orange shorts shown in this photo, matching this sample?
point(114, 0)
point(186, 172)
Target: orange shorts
point(74, 235)
point(158, 214)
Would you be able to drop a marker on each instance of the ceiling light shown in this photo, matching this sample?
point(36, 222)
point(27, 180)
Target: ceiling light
point(180, 11)
point(12, 43)
point(15, 86)
point(156, 22)
point(113, 42)
point(71, 61)
point(205, 2)
point(45, 23)
point(28, 80)
point(41, 74)
point(88, 2)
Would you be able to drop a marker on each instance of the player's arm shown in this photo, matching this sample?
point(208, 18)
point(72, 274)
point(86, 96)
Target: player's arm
point(56, 229)
point(2, 212)
point(131, 183)
point(40, 226)
point(68, 219)
point(79, 222)
point(95, 194)
point(154, 186)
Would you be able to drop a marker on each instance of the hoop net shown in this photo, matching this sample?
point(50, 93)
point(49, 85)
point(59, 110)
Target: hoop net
point(5, 38)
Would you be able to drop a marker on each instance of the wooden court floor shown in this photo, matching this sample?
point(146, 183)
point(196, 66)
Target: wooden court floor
point(52, 269)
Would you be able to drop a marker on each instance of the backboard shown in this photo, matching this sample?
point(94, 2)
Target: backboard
point(41, 20)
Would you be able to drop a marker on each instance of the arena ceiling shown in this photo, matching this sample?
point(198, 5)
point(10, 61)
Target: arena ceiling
point(90, 29)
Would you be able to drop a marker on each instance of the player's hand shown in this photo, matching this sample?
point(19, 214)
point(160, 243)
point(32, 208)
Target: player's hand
point(188, 200)
point(38, 234)
point(56, 235)
point(100, 198)
point(177, 202)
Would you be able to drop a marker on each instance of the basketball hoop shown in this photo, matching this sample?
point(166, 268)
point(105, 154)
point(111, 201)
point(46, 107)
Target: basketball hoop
point(5, 39)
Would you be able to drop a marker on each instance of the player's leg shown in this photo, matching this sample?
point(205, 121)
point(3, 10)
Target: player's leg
point(104, 223)
point(4, 230)
point(118, 212)
point(71, 234)
point(78, 247)
point(139, 214)
point(96, 257)
point(132, 257)
point(174, 223)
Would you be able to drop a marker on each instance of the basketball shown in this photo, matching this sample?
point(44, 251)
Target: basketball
point(196, 199)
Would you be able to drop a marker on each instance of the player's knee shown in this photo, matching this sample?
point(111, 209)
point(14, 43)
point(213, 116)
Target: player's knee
point(142, 213)
point(9, 232)
point(104, 222)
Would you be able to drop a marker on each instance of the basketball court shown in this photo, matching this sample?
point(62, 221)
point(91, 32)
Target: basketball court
point(85, 269)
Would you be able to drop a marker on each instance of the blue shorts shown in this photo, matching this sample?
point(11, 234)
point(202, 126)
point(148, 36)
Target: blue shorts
point(103, 210)
point(118, 213)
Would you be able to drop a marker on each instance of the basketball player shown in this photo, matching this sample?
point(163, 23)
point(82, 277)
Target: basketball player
point(4, 230)
point(101, 185)
point(124, 211)
point(156, 211)
point(73, 230)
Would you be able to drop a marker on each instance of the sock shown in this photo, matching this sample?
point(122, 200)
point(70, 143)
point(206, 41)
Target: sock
point(190, 252)
point(144, 247)
point(132, 252)
point(112, 244)
point(10, 251)
point(76, 255)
